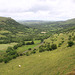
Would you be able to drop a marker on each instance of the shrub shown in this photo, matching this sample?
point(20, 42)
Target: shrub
point(15, 47)
point(53, 46)
point(27, 54)
point(9, 49)
point(23, 43)
point(12, 52)
point(29, 49)
point(1, 59)
point(70, 43)
point(32, 42)
point(48, 49)
point(62, 41)
point(59, 44)
point(69, 37)
point(14, 56)
point(41, 49)
point(34, 49)
point(6, 60)
point(21, 54)
point(33, 52)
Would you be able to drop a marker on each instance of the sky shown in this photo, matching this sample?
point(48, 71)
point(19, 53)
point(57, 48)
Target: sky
point(51, 10)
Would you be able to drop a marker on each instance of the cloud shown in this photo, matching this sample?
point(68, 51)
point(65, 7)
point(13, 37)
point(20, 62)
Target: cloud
point(38, 9)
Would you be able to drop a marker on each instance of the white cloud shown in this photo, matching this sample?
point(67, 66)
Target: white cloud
point(38, 9)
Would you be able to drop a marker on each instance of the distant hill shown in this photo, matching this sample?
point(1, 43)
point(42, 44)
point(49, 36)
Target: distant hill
point(71, 20)
point(10, 30)
point(27, 30)
point(31, 21)
point(7, 23)
point(51, 25)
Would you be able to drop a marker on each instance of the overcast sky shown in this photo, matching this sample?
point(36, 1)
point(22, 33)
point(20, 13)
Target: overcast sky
point(38, 9)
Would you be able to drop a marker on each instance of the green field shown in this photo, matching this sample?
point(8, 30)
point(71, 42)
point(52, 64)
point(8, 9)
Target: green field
point(26, 47)
point(4, 31)
point(3, 47)
point(56, 62)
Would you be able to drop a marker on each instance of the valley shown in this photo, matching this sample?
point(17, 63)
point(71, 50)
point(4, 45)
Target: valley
point(41, 48)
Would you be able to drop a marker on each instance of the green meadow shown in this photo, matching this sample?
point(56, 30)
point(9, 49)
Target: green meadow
point(56, 62)
point(3, 47)
point(26, 47)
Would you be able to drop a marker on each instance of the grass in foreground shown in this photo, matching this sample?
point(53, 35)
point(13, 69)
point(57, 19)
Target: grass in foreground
point(57, 62)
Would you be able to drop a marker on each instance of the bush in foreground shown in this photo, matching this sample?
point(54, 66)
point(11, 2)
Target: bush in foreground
point(53, 46)
point(27, 54)
point(70, 43)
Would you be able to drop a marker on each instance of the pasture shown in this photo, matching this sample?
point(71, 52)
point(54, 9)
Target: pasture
point(56, 62)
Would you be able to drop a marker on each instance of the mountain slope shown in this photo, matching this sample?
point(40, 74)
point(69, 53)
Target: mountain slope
point(10, 24)
point(12, 31)
point(58, 62)
point(55, 62)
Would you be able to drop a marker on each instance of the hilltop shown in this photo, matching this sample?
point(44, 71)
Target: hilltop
point(7, 23)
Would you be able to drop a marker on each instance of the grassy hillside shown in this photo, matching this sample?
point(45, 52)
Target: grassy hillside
point(48, 63)
point(12, 31)
point(9, 29)
point(56, 62)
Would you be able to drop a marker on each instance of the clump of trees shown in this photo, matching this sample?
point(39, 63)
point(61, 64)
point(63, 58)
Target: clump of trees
point(33, 52)
point(30, 43)
point(53, 46)
point(59, 45)
point(70, 43)
point(19, 45)
point(29, 49)
point(70, 37)
point(47, 47)
point(10, 54)
point(27, 53)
